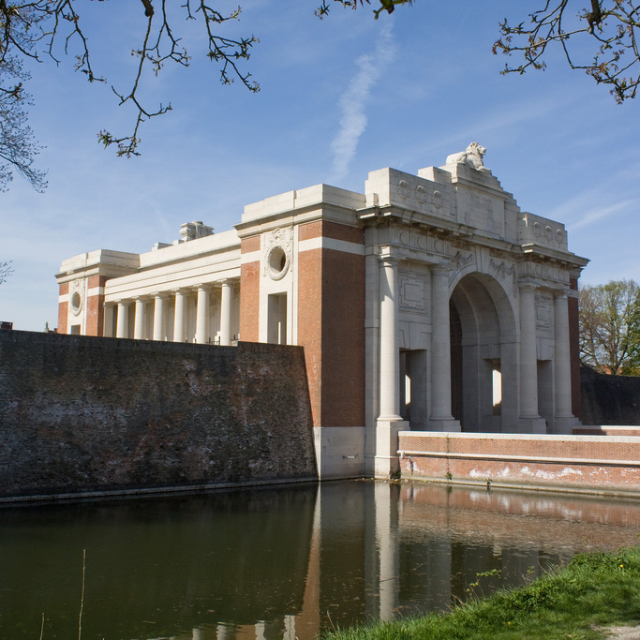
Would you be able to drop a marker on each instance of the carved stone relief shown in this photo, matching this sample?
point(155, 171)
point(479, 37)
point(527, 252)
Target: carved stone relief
point(543, 304)
point(422, 196)
point(505, 272)
point(277, 252)
point(76, 297)
point(460, 261)
point(403, 190)
point(421, 242)
point(413, 288)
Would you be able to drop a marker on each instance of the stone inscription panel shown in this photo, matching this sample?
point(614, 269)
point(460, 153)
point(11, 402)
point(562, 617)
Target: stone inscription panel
point(413, 293)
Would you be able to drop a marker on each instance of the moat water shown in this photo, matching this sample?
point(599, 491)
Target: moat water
point(282, 563)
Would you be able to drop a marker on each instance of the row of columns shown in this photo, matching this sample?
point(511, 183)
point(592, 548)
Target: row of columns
point(440, 414)
point(180, 314)
point(529, 408)
point(390, 347)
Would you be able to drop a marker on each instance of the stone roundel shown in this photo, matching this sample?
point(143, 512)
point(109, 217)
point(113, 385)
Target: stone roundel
point(277, 263)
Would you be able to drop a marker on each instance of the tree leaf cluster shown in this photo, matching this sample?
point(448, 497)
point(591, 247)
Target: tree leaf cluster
point(610, 327)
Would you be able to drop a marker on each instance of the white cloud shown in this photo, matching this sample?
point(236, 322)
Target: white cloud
point(595, 214)
point(354, 101)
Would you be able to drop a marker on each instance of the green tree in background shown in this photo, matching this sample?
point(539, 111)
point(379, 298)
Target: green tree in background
point(610, 327)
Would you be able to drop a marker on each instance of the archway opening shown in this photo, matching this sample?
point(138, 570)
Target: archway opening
point(484, 391)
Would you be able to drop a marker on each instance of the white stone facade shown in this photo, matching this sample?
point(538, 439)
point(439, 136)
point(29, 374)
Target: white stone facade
point(430, 302)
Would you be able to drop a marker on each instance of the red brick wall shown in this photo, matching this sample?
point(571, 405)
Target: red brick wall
point(586, 462)
point(115, 414)
point(63, 309)
point(310, 324)
point(326, 229)
point(331, 325)
point(574, 350)
point(95, 307)
point(250, 293)
point(343, 303)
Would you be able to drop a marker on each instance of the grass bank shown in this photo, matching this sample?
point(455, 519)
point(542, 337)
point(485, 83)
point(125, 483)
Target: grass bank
point(594, 590)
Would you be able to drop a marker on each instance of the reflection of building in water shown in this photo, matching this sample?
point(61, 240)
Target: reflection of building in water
point(380, 550)
point(429, 302)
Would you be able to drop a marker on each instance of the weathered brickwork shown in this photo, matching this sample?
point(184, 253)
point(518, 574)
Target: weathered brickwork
point(248, 245)
point(588, 462)
point(609, 400)
point(63, 309)
point(250, 302)
point(95, 306)
point(310, 323)
point(96, 414)
point(331, 325)
point(343, 339)
point(333, 230)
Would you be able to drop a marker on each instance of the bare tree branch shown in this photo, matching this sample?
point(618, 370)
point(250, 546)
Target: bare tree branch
point(33, 28)
point(611, 25)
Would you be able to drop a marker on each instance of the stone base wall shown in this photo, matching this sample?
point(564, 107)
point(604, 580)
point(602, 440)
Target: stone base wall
point(93, 415)
point(609, 400)
point(586, 463)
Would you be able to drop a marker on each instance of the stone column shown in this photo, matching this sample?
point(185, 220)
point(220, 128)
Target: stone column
point(389, 422)
point(179, 316)
point(108, 320)
point(122, 326)
point(226, 310)
point(158, 318)
point(202, 318)
point(441, 418)
point(530, 419)
point(389, 347)
point(563, 419)
point(138, 327)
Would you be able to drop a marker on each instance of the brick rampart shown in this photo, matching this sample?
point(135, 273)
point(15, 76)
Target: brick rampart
point(83, 414)
point(586, 463)
point(609, 400)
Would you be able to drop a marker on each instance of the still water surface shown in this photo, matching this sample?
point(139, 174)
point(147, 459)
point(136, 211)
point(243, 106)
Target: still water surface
point(282, 563)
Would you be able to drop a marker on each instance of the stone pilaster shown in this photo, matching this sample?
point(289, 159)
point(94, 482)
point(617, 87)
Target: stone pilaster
point(122, 326)
point(139, 326)
point(564, 419)
point(441, 418)
point(226, 311)
point(179, 316)
point(108, 320)
point(202, 317)
point(530, 420)
point(389, 422)
point(158, 318)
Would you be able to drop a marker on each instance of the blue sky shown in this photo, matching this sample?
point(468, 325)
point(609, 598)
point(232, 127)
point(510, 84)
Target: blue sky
point(339, 98)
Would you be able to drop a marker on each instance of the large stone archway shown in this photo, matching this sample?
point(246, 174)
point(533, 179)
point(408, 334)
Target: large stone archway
point(484, 355)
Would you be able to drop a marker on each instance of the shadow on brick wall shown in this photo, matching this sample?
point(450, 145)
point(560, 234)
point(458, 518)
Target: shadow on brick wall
point(83, 414)
point(609, 400)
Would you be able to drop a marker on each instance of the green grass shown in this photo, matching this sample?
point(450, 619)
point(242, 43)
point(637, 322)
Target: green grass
point(595, 589)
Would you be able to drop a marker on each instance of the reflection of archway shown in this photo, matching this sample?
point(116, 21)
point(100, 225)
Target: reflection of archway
point(484, 381)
